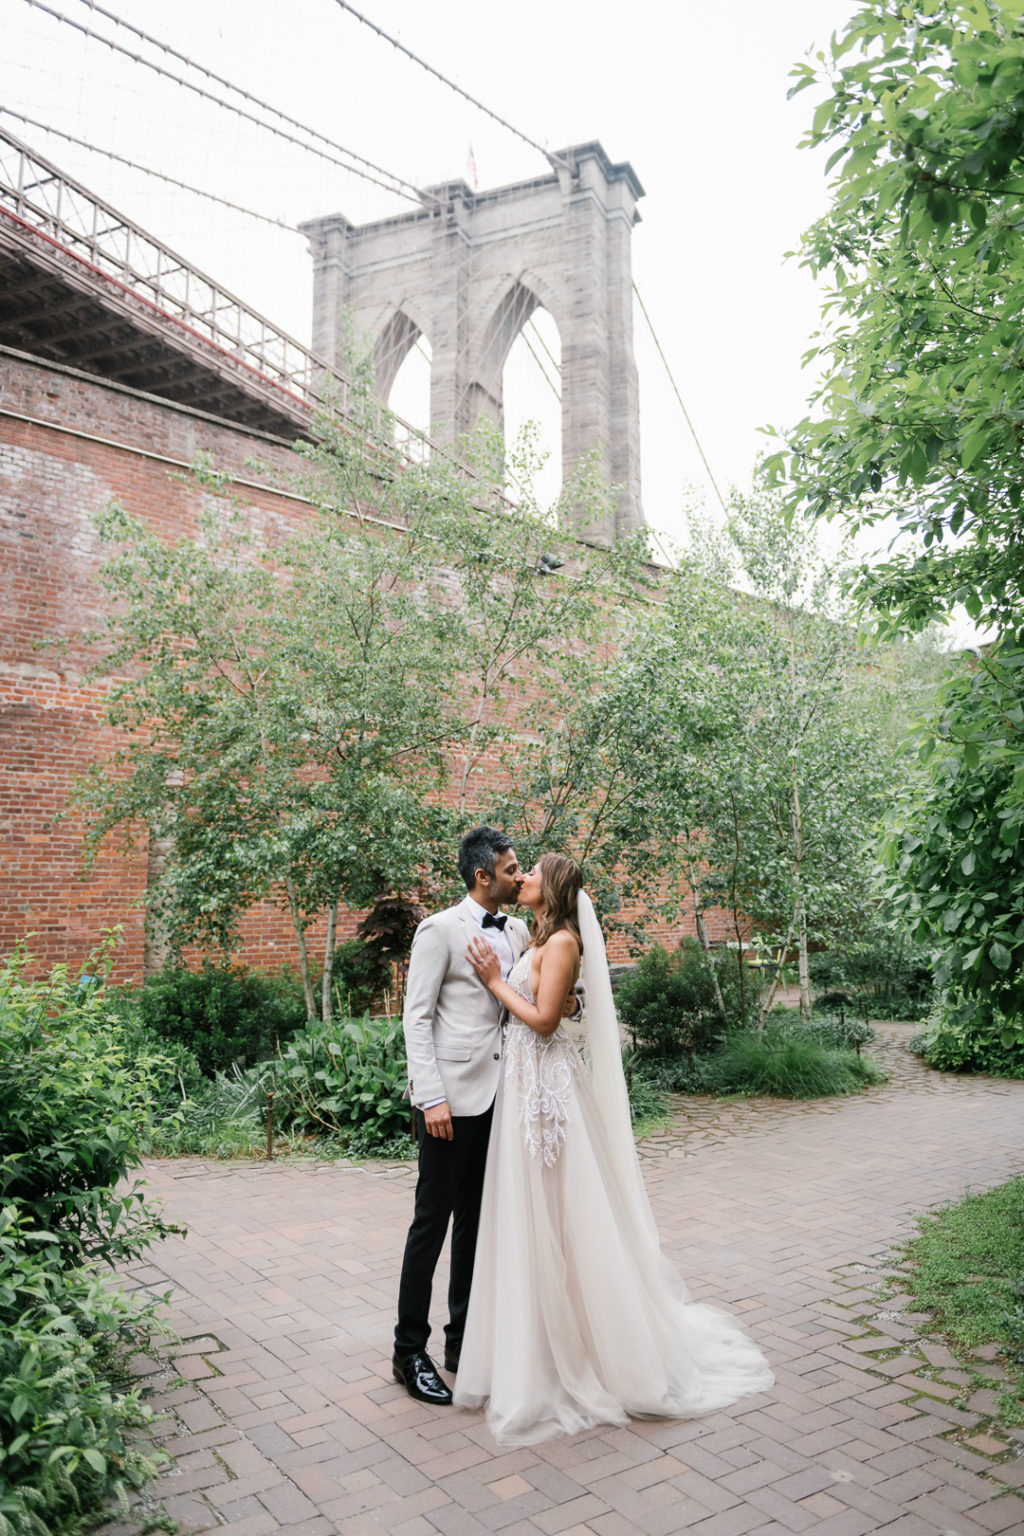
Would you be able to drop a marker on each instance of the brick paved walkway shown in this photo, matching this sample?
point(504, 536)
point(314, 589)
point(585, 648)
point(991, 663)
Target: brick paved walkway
point(283, 1416)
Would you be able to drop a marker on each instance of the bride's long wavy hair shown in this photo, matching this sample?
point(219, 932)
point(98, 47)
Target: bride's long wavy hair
point(560, 882)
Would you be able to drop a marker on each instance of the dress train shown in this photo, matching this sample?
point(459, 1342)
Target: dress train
point(576, 1318)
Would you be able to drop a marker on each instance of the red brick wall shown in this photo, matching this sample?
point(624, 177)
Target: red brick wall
point(70, 445)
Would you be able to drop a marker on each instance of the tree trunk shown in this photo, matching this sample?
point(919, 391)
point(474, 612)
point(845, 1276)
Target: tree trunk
point(805, 973)
point(769, 996)
point(705, 944)
point(797, 824)
point(156, 949)
point(800, 910)
point(156, 946)
point(328, 976)
point(734, 908)
point(300, 939)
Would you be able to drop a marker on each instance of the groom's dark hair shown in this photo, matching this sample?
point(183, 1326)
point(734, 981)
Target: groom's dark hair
point(478, 850)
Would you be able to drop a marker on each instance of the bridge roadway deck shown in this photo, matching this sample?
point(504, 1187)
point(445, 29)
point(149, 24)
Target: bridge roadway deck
point(282, 1415)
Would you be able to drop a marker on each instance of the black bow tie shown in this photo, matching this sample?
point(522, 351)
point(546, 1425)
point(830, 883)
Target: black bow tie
point(490, 921)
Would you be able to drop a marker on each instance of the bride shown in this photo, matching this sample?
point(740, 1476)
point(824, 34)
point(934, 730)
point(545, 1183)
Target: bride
point(575, 1317)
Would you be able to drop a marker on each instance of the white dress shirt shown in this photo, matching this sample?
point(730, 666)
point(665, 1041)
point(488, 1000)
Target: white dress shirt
point(497, 938)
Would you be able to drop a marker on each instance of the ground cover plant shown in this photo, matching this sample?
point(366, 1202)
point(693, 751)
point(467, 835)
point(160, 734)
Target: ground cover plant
point(966, 1267)
point(76, 1109)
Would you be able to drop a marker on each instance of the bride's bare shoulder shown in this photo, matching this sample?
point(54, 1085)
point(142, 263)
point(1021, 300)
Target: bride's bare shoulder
point(561, 942)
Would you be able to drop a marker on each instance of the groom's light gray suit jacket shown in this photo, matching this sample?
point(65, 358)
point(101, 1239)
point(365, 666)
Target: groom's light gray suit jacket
point(452, 1022)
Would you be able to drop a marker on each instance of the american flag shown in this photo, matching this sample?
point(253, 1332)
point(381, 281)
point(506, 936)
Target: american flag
point(471, 169)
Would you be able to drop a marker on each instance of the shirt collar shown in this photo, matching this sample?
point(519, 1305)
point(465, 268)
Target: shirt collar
point(476, 911)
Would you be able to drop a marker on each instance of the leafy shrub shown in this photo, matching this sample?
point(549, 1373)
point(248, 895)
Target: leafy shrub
point(882, 970)
point(842, 1034)
point(68, 1442)
point(365, 1141)
point(674, 1074)
point(668, 1001)
point(957, 1039)
point(76, 1110)
point(834, 1002)
point(361, 974)
point(181, 1077)
point(223, 1014)
point(347, 1078)
point(787, 1067)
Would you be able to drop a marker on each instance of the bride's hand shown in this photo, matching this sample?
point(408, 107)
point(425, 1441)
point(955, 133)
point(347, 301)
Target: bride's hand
point(484, 961)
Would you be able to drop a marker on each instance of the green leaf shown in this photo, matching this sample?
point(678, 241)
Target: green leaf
point(999, 955)
point(973, 445)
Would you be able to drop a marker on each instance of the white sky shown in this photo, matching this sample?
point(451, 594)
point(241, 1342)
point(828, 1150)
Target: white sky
point(694, 95)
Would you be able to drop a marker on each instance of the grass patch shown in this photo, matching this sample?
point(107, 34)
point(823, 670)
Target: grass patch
point(788, 1067)
point(648, 1104)
point(967, 1268)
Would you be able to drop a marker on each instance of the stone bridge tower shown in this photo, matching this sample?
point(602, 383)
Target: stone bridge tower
point(468, 270)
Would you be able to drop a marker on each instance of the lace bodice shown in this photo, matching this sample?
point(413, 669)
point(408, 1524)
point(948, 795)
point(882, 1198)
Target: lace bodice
point(539, 1070)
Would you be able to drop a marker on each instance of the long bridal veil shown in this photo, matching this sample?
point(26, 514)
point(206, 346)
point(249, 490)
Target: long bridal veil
point(576, 1318)
point(604, 1054)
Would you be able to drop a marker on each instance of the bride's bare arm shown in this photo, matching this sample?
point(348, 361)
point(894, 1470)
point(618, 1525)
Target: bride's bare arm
point(560, 960)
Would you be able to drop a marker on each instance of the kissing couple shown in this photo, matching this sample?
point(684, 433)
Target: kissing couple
point(562, 1311)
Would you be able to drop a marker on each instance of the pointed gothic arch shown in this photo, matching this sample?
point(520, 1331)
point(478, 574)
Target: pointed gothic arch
point(466, 266)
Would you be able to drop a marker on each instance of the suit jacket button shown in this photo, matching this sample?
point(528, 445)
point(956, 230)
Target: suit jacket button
point(497, 1055)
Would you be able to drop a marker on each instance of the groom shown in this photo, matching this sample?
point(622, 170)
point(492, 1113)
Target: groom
point(453, 1045)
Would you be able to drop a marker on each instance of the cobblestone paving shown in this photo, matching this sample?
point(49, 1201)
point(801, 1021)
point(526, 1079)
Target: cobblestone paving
point(281, 1414)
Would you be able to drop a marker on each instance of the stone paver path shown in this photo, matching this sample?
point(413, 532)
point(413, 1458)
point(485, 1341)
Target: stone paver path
point(282, 1415)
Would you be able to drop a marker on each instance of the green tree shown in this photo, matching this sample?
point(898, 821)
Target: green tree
point(293, 713)
point(285, 709)
point(806, 793)
point(955, 852)
point(920, 414)
point(716, 758)
point(920, 417)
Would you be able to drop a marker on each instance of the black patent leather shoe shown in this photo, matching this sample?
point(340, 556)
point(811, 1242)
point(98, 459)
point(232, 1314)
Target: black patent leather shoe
point(418, 1375)
point(451, 1358)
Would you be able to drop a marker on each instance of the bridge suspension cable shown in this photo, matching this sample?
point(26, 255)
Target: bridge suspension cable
point(679, 398)
point(395, 184)
point(556, 160)
point(110, 154)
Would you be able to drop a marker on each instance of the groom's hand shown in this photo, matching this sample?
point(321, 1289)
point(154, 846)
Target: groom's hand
point(438, 1121)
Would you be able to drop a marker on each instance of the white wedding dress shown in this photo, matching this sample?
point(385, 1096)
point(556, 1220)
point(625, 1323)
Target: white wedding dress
point(576, 1318)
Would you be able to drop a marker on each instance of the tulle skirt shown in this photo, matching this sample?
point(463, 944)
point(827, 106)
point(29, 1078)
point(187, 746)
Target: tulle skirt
point(576, 1318)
